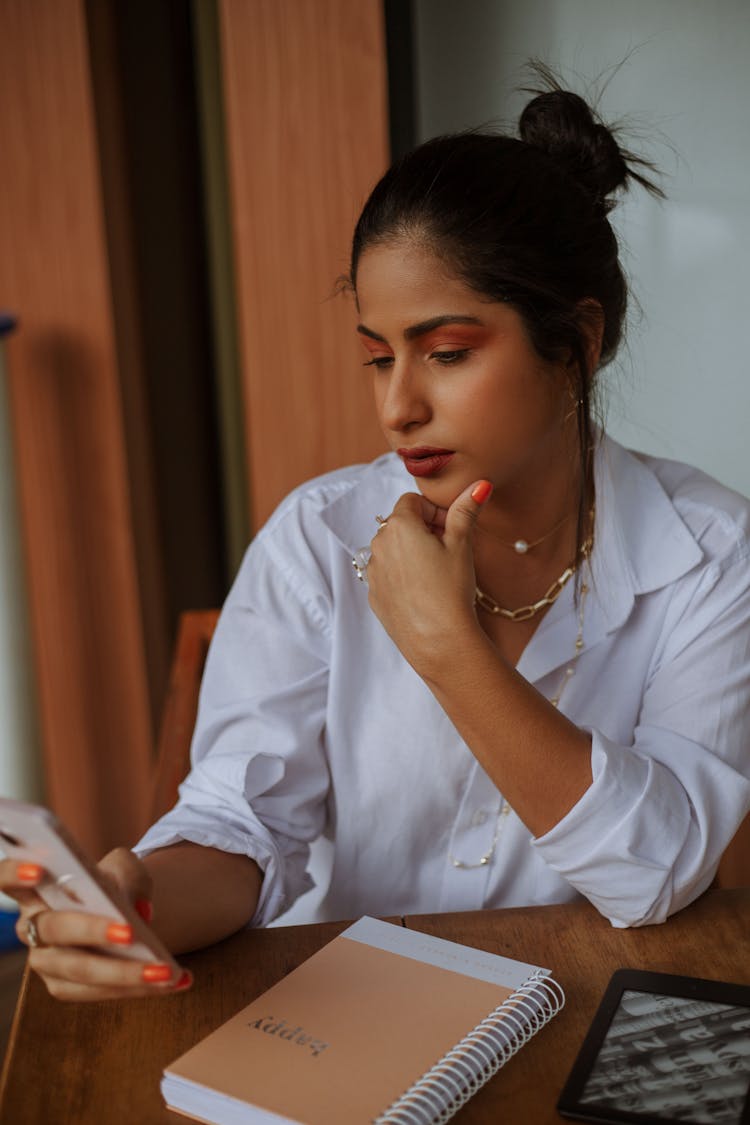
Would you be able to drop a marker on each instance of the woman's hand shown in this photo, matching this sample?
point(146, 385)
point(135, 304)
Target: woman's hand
point(421, 573)
point(74, 951)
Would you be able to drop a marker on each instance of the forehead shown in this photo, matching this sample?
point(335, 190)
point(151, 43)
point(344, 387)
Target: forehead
point(405, 275)
point(403, 287)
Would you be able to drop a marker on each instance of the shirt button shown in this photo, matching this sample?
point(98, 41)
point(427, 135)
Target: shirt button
point(478, 818)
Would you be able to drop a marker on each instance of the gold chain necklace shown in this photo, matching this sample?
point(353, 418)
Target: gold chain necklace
point(525, 612)
point(504, 810)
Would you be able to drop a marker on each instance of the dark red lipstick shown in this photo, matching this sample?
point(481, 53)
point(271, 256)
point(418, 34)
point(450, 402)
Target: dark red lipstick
point(425, 460)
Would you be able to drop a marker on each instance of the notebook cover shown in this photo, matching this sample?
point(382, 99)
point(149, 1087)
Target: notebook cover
point(344, 1035)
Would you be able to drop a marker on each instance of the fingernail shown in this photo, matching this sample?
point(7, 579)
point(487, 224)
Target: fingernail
point(185, 980)
point(481, 491)
point(156, 974)
point(144, 908)
point(119, 933)
point(29, 872)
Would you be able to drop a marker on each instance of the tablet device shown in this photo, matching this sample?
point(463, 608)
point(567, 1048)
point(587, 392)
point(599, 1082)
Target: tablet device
point(664, 1048)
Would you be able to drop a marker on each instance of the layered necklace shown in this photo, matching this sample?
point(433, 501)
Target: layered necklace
point(521, 546)
point(523, 614)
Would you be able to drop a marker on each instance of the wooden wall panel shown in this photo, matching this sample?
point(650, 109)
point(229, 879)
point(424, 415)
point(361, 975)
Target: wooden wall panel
point(306, 105)
point(67, 417)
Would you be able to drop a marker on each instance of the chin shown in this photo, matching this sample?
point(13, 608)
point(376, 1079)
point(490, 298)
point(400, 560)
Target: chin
point(439, 492)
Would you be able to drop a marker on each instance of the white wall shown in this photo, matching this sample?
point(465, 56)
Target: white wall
point(681, 386)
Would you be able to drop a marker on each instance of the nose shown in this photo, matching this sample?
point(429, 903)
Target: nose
point(404, 398)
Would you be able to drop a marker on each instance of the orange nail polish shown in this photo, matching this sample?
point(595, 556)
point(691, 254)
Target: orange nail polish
point(481, 491)
point(156, 974)
point(119, 934)
point(144, 908)
point(185, 980)
point(29, 872)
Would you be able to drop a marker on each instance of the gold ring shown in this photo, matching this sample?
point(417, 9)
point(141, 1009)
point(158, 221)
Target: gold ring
point(32, 935)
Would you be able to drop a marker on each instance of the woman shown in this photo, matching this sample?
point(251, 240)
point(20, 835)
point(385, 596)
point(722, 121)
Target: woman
point(542, 690)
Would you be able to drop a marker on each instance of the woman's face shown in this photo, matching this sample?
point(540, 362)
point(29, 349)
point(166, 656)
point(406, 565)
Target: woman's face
point(461, 394)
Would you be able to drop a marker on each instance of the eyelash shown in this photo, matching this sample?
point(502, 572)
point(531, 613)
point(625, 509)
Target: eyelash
point(449, 358)
point(379, 361)
point(445, 359)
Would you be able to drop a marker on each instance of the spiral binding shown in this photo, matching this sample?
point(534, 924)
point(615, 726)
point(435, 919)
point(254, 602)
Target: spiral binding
point(448, 1085)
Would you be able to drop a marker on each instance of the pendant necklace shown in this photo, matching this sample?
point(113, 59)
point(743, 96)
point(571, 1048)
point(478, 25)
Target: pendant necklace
point(522, 546)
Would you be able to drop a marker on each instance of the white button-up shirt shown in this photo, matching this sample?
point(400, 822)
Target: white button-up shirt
point(312, 726)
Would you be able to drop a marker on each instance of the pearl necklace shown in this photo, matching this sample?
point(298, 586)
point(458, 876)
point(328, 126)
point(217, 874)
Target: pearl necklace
point(522, 546)
point(504, 809)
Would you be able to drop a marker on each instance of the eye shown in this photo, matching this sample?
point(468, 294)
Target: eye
point(379, 361)
point(447, 358)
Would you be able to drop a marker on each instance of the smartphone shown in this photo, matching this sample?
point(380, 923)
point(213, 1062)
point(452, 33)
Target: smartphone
point(33, 834)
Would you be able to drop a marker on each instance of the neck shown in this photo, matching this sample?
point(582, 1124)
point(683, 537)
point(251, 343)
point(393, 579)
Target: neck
point(543, 517)
point(547, 518)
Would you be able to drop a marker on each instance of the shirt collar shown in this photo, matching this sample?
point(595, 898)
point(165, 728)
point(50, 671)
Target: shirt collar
point(372, 492)
point(640, 543)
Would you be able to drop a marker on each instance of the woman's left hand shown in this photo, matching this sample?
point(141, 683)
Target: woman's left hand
point(421, 573)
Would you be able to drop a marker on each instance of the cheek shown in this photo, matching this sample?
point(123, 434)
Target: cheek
point(378, 394)
point(517, 406)
point(482, 403)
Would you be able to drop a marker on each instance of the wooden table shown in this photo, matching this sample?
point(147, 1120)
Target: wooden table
point(88, 1064)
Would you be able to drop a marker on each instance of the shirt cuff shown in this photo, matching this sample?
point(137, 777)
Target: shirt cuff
point(600, 847)
point(197, 827)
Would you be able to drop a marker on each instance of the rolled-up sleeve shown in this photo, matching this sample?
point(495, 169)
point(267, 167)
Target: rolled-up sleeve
point(259, 776)
point(647, 836)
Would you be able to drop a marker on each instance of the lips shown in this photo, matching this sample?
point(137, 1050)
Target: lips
point(425, 460)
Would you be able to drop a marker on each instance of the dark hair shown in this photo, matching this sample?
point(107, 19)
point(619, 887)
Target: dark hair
point(524, 221)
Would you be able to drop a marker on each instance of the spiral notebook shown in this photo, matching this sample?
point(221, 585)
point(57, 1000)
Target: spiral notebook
point(383, 1024)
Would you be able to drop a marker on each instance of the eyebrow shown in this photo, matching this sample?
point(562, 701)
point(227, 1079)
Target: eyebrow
point(423, 327)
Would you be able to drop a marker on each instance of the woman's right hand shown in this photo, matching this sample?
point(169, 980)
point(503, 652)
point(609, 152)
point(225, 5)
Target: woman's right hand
point(67, 957)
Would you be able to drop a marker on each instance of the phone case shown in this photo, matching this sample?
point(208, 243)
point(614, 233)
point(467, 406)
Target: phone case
point(33, 834)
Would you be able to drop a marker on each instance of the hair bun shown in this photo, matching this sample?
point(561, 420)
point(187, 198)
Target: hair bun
point(562, 124)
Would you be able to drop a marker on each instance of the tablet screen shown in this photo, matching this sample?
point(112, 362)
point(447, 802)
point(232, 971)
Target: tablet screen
point(664, 1056)
point(667, 1055)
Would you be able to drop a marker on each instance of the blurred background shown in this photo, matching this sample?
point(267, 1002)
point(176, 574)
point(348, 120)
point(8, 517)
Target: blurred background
point(178, 184)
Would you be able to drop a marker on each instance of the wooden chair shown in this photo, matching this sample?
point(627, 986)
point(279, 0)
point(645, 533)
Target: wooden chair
point(193, 638)
point(734, 869)
point(194, 634)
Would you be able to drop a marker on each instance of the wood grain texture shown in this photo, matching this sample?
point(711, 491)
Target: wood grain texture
point(305, 97)
point(103, 1062)
point(710, 939)
point(119, 219)
point(67, 421)
point(181, 706)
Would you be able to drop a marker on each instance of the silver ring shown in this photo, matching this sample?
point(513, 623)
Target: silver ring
point(360, 559)
point(32, 935)
point(382, 521)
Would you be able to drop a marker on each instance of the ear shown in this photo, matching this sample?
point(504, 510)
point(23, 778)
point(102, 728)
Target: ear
point(591, 320)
